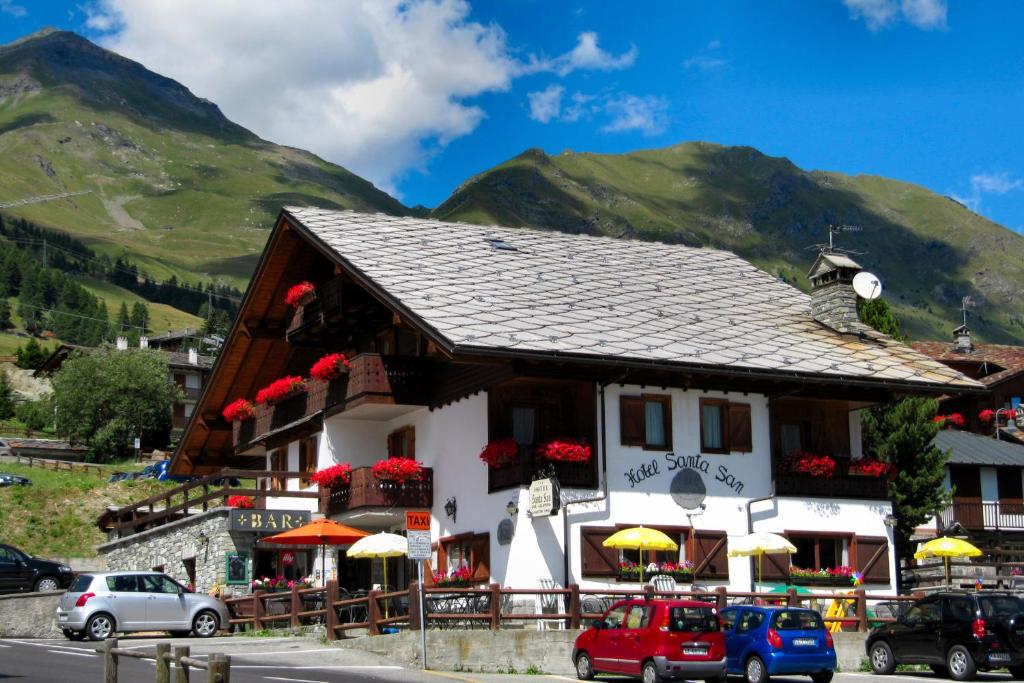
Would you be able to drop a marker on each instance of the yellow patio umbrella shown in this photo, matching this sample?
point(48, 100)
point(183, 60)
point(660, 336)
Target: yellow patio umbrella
point(380, 545)
point(946, 547)
point(640, 538)
point(760, 543)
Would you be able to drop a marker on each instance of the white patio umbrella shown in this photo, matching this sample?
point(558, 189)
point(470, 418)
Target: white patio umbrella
point(380, 545)
point(760, 543)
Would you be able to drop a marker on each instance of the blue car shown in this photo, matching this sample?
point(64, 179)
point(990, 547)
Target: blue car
point(770, 641)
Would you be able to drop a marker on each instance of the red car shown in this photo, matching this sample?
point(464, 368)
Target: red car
point(656, 640)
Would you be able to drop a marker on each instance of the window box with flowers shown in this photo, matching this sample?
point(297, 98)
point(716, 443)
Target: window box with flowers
point(801, 462)
point(330, 366)
point(270, 584)
point(238, 410)
point(830, 576)
point(680, 571)
point(456, 578)
point(335, 476)
point(280, 389)
point(241, 502)
point(952, 420)
point(868, 467)
point(565, 450)
point(500, 453)
point(397, 470)
point(301, 294)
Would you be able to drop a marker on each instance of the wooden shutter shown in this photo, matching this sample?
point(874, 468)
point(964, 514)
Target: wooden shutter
point(632, 421)
point(774, 566)
point(873, 558)
point(596, 559)
point(740, 439)
point(480, 557)
point(711, 559)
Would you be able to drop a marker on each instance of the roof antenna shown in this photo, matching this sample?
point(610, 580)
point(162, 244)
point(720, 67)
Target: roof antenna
point(831, 248)
point(965, 303)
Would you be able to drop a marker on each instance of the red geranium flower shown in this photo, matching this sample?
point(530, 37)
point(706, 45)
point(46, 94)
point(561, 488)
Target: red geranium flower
point(565, 450)
point(237, 410)
point(397, 469)
point(299, 292)
point(500, 452)
point(335, 475)
point(869, 467)
point(987, 415)
point(330, 366)
point(956, 419)
point(280, 388)
point(240, 502)
point(800, 462)
point(939, 419)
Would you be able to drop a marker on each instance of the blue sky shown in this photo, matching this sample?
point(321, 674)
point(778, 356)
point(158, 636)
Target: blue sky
point(419, 96)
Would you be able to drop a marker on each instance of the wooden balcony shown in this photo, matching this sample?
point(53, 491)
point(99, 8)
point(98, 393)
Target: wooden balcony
point(389, 380)
point(840, 486)
point(366, 491)
point(313, 320)
point(984, 516)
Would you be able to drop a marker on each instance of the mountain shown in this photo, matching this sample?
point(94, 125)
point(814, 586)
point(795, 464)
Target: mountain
point(929, 250)
point(171, 182)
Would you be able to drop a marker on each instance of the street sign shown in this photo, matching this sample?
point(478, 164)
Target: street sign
point(419, 544)
point(417, 520)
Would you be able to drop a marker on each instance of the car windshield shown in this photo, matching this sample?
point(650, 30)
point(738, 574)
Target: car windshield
point(797, 620)
point(82, 582)
point(692, 619)
point(1000, 605)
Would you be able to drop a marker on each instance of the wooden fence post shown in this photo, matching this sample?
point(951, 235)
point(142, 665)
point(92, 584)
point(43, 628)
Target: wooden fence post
point(862, 609)
point(574, 606)
point(791, 598)
point(163, 664)
point(373, 612)
point(495, 606)
point(331, 618)
point(257, 611)
point(296, 606)
point(219, 670)
point(109, 661)
point(414, 605)
point(180, 668)
point(721, 597)
point(648, 591)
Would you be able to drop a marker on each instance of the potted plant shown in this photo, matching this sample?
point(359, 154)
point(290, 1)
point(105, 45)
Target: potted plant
point(301, 294)
point(241, 502)
point(629, 571)
point(456, 578)
point(279, 389)
point(238, 410)
point(801, 462)
point(868, 467)
point(330, 366)
point(831, 576)
point(500, 452)
point(397, 470)
point(680, 571)
point(565, 450)
point(334, 476)
point(952, 420)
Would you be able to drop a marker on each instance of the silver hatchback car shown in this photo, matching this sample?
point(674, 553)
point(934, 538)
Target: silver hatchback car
point(98, 605)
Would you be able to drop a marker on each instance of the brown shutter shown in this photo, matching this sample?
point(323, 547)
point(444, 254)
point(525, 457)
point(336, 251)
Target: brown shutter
point(598, 560)
point(774, 566)
point(740, 439)
point(632, 422)
point(442, 554)
point(711, 559)
point(480, 556)
point(873, 558)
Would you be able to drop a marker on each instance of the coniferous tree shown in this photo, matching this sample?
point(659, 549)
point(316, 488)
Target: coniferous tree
point(124, 320)
point(140, 317)
point(5, 314)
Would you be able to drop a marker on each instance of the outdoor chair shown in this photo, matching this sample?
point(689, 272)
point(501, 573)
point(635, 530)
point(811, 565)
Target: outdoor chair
point(549, 604)
point(664, 582)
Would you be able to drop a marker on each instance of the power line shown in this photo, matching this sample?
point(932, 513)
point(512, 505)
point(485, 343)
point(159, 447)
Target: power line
point(79, 315)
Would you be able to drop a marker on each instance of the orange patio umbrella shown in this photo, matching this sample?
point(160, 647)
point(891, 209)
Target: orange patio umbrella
point(322, 532)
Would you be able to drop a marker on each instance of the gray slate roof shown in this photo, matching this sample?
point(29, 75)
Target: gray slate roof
point(587, 297)
point(974, 449)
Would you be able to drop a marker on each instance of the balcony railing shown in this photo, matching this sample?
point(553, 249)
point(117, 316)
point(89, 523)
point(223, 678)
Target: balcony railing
point(842, 486)
point(372, 379)
point(995, 516)
point(365, 490)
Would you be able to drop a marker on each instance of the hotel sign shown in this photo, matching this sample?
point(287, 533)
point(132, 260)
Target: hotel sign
point(543, 498)
point(267, 520)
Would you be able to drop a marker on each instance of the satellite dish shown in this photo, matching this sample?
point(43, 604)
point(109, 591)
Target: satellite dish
point(867, 285)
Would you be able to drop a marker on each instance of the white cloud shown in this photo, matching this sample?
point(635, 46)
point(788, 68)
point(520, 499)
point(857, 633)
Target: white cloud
point(586, 55)
point(706, 58)
point(631, 113)
point(8, 7)
point(546, 104)
point(878, 14)
point(982, 184)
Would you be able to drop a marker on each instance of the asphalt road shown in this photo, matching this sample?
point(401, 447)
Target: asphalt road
point(288, 661)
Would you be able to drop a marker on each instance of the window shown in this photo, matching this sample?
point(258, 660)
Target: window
point(192, 381)
point(8, 556)
point(278, 463)
point(728, 619)
point(749, 621)
point(693, 619)
point(307, 459)
point(646, 421)
point(155, 583)
point(189, 407)
point(677, 534)
point(959, 609)
point(706, 549)
point(124, 583)
point(466, 550)
point(725, 427)
point(794, 435)
point(616, 617)
point(639, 616)
point(798, 620)
point(402, 443)
point(924, 612)
point(820, 552)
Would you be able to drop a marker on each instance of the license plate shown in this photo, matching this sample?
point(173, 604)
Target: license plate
point(999, 657)
point(62, 617)
point(695, 651)
point(805, 642)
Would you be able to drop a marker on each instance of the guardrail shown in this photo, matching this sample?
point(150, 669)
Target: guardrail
point(492, 606)
point(217, 667)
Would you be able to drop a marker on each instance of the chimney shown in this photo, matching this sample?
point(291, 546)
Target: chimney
point(962, 340)
point(143, 342)
point(833, 301)
point(193, 357)
point(122, 343)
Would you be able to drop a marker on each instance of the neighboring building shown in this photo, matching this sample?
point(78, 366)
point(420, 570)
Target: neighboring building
point(690, 372)
point(52, 449)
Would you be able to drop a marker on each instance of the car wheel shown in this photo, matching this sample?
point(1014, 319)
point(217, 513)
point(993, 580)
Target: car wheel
point(1017, 672)
point(205, 624)
point(882, 661)
point(584, 668)
point(649, 674)
point(100, 626)
point(755, 672)
point(939, 670)
point(961, 665)
point(47, 583)
point(822, 677)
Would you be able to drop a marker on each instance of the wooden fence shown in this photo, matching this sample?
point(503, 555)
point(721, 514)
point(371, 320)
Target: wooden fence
point(492, 607)
point(217, 667)
point(59, 465)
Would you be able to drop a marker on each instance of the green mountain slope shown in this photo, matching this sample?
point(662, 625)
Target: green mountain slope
point(172, 183)
point(928, 249)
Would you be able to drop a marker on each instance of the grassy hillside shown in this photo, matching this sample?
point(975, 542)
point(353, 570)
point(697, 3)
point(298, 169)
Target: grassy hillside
point(929, 250)
point(162, 317)
point(171, 182)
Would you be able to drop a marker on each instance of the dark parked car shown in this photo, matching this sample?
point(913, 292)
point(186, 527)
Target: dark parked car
point(654, 639)
point(21, 572)
point(956, 633)
point(14, 480)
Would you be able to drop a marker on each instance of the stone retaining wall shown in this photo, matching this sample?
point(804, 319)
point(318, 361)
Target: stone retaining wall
point(29, 615)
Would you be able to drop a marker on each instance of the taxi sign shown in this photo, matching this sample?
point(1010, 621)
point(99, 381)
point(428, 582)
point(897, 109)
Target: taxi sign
point(417, 520)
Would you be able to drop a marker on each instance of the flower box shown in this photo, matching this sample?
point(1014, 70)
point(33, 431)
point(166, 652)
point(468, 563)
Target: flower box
point(280, 389)
point(335, 476)
point(565, 450)
point(397, 470)
point(301, 294)
point(500, 453)
point(238, 410)
point(330, 366)
point(800, 462)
